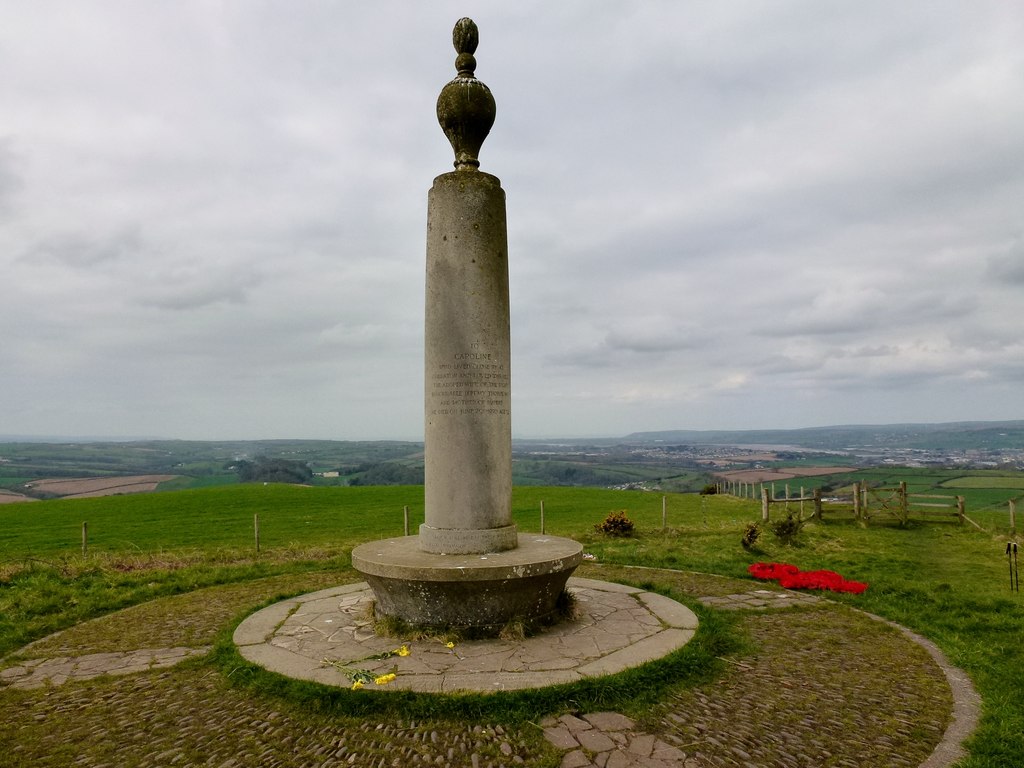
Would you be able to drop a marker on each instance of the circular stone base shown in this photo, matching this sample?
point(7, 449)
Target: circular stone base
point(481, 592)
point(617, 627)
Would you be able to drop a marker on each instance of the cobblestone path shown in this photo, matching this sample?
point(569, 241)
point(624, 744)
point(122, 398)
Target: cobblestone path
point(820, 685)
point(823, 688)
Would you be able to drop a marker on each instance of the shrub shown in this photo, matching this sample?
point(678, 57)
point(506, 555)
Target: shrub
point(616, 524)
point(751, 533)
point(709, 490)
point(787, 529)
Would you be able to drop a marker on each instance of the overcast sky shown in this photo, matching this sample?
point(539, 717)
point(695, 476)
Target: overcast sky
point(721, 215)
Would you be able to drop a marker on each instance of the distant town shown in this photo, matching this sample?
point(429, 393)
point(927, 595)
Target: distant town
point(731, 456)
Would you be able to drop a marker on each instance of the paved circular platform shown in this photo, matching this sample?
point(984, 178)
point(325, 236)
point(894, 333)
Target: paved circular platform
point(892, 697)
point(313, 636)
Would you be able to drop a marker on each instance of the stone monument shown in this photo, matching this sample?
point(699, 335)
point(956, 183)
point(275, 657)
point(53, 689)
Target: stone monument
point(469, 566)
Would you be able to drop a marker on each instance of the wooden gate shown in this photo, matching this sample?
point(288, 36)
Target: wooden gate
point(885, 502)
point(896, 504)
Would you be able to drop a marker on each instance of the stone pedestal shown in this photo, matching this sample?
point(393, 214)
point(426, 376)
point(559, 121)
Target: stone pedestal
point(482, 592)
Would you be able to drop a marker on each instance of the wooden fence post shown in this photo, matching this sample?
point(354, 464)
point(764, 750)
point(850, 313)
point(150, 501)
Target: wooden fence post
point(1013, 516)
point(858, 509)
point(786, 486)
point(542, 531)
point(256, 530)
point(960, 505)
point(801, 502)
point(664, 514)
point(764, 504)
point(85, 538)
point(817, 503)
point(405, 519)
point(904, 503)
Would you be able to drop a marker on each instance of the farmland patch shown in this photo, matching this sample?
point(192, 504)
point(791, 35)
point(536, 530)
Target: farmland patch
point(780, 473)
point(85, 487)
point(10, 497)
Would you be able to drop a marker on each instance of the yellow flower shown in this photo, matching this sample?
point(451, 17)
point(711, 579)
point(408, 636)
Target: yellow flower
point(384, 679)
point(403, 651)
point(449, 644)
point(357, 685)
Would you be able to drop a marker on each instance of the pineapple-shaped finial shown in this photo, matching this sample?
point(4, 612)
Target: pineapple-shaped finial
point(465, 108)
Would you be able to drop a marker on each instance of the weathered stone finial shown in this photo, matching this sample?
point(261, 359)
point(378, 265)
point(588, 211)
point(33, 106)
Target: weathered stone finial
point(465, 108)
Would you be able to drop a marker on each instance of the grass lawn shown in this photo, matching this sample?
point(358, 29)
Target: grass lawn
point(947, 582)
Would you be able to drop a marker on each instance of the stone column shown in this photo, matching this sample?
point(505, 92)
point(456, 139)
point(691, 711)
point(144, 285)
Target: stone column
point(468, 429)
point(468, 408)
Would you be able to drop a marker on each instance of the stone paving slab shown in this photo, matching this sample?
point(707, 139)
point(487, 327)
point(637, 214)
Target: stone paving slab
point(325, 636)
point(608, 740)
point(35, 673)
point(760, 599)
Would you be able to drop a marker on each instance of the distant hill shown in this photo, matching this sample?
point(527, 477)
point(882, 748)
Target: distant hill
point(960, 436)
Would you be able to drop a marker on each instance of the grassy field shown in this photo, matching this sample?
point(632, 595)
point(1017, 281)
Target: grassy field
point(986, 492)
point(986, 481)
point(945, 581)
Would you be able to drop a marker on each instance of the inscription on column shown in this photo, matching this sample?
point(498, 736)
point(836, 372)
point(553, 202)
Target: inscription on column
point(470, 383)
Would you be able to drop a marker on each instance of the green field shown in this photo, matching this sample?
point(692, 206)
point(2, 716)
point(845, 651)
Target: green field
point(986, 481)
point(944, 581)
point(986, 492)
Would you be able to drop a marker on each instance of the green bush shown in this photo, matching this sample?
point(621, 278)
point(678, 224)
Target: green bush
point(616, 524)
point(751, 533)
point(788, 529)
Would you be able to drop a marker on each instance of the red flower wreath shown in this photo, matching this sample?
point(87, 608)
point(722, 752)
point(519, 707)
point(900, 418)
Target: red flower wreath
point(791, 577)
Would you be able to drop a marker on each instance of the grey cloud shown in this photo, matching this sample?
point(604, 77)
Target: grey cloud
point(1007, 268)
point(834, 313)
point(191, 297)
point(788, 365)
point(715, 212)
point(880, 350)
point(11, 181)
point(649, 342)
point(84, 251)
point(186, 287)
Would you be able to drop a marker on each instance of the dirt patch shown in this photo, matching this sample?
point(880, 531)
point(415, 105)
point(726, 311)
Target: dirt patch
point(84, 487)
point(781, 473)
point(9, 497)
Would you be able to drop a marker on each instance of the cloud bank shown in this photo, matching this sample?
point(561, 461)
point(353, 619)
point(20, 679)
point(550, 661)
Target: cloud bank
point(212, 216)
